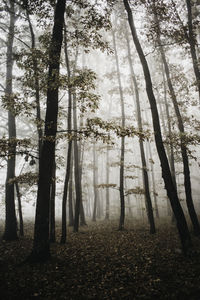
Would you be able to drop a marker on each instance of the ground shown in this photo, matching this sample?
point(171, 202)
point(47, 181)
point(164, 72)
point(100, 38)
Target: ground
point(100, 262)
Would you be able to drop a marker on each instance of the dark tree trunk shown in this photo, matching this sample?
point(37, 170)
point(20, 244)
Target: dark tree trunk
point(52, 235)
point(121, 176)
point(10, 232)
point(71, 214)
point(69, 151)
point(192, 43)
point(166, 174)
point(41, 245)
point(21, 222)
point(186, 172)
point(141, 144)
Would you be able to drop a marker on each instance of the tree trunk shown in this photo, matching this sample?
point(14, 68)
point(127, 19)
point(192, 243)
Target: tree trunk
point(121, 176)
point(81, 155)
point(153, 181)
point(166, 174)
point(171, 156)
point(71, 214)
point(10, 232)
point(69, 151)
point(94, 184)
point(141, 144)
point(192, 43)
point(52, 235)
point(21, 222)
point(107, 216)
point(37, 87)
point(187, 181)
point(41, 246)
point(76, 170)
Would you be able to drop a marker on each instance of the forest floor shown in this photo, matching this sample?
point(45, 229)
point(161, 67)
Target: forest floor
point(100, 262)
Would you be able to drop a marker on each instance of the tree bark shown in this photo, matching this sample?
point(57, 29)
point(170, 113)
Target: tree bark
point(166, 174)
point(41, 245)
point(10, 232)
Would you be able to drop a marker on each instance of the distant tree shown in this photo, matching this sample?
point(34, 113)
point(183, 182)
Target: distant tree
point(107, 215)
point(10, 232)
point(69, 150)
point(94, 183)
point(148, 201)
point(122, 151)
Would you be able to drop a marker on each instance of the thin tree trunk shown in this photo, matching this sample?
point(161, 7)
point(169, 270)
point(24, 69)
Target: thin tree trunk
point(187, 181)
point(41, 245)
point(153, 181)
point(121, 176)
point(166, 174)
point(10, 232)
point(171, 156)
point(76, 170)
point(81, 155)
point(21, 222)
point(37, 87)
point(141, 144)
point(107, 216)
point(94, 184)
point(71, 214)
point(69, 151)
point(52, 235)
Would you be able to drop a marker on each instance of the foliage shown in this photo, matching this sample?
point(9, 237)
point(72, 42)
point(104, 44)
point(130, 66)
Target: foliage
point(23, 145)
point(26, 178)
point(137, 190)
point(106, 185)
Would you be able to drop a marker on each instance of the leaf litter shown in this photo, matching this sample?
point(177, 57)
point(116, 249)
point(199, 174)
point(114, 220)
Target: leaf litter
point(100, 262)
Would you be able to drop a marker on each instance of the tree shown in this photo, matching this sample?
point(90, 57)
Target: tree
point(96, 196)
point(122, 150)
point(148, 201)
point(41, 248)
point(10, 232)
point(69, 150)
point(107, 216)
point(192, 42)
point(186, 172)
point(166, 174)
